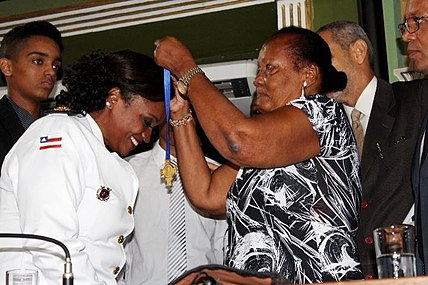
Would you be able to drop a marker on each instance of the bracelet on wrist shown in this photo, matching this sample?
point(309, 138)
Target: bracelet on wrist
point(181, 122)
point(183, 82)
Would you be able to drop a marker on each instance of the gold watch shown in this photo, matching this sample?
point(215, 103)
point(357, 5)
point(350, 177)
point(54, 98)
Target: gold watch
point(183, 82)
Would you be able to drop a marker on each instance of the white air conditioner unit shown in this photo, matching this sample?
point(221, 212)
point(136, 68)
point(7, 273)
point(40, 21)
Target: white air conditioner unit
point(235, 80)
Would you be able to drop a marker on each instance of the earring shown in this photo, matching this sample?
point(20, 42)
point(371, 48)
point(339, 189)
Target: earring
point(108, 104)
point(305, 84)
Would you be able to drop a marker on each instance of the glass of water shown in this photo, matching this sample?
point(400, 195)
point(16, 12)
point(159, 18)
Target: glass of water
point(21, 277)
point(395, 251)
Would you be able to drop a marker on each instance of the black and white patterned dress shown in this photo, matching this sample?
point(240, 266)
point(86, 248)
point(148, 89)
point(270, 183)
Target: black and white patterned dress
point(300, 220)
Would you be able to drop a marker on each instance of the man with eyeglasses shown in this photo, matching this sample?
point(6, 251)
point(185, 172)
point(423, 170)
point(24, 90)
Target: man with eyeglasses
point(414, 30)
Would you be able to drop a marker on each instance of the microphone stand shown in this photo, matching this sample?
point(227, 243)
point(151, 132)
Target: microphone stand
point(67, 277)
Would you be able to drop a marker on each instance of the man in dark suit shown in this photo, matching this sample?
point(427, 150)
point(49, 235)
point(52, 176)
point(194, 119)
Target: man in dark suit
point(30, 58)
point(391, 117)
point(414, 30)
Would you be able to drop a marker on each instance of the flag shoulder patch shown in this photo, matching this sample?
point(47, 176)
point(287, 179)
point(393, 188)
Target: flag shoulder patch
point(49, 142)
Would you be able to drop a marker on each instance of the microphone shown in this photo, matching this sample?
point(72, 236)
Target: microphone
point(67, 277)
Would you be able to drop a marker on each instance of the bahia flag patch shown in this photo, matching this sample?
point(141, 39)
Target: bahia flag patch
point(47, 142)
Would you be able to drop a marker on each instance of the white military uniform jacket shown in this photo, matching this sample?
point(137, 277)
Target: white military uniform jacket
point(59, 180)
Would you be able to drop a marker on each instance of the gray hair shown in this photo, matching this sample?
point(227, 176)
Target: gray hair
point(346, 33)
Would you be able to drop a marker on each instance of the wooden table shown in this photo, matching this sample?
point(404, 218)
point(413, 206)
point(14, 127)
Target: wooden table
point(401, 281)
point(227, 276)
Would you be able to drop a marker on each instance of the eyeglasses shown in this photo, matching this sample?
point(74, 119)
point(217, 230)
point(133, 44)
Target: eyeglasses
point(411, 25)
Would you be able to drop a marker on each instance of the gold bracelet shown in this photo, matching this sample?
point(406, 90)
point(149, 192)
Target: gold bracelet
point(181, 122)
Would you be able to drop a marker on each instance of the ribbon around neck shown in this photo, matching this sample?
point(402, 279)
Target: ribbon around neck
point(167, 94)
point(168, 172)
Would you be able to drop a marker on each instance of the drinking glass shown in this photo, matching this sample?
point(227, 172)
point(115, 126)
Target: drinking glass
point(395, 251)
point(21, 277)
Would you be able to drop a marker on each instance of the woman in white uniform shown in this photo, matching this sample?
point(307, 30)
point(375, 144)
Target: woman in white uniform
point(65, 177)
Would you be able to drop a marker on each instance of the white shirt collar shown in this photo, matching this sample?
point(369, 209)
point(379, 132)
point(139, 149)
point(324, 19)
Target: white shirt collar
point(364, 103)
point(159, 154)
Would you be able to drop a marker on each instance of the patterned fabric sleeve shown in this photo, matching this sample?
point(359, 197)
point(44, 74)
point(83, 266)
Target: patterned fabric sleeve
point(330, 124)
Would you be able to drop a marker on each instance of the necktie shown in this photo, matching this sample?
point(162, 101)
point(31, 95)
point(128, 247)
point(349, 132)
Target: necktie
point(357, 128)
point(177, 232)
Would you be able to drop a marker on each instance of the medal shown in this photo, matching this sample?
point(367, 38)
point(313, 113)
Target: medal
point(169, 171)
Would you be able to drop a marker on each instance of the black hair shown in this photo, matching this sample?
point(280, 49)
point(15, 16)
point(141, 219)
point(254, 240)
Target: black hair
point(15, 38)
point(308, 48)
point(89, 80)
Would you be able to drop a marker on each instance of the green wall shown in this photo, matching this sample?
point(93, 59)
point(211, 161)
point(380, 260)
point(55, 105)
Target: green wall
point(213, 37)
point(394, 45)
point(326, 11)
point(221, 36)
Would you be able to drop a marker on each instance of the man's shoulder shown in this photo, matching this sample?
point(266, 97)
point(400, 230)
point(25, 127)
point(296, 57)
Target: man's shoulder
point(410, 86)
point(10, 124)
point(383, 91)
point(412, 93)
point(4, 101)
point(6, 108)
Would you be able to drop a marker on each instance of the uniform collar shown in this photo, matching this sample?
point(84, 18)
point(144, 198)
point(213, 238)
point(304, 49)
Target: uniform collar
point(95, 128)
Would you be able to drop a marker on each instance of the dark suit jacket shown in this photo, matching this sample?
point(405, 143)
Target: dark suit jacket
point(389, 144)
point(420, 188)
point(10, 127)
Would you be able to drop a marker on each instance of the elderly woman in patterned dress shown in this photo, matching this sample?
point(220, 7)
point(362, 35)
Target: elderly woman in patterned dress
point(291, 191)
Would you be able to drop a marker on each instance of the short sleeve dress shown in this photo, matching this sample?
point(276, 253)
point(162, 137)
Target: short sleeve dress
point(300, 220)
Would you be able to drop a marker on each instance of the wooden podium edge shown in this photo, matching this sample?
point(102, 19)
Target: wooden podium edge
point(224, 274)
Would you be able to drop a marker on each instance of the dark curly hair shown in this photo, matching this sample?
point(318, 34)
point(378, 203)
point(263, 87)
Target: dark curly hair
point(89, 80)
point(308, 48)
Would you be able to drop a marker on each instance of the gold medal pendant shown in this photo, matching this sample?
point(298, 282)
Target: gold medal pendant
point(168, 173)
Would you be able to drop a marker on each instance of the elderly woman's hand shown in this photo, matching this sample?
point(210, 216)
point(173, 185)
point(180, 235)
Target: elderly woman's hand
point(180, 106)
point(174, 56)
